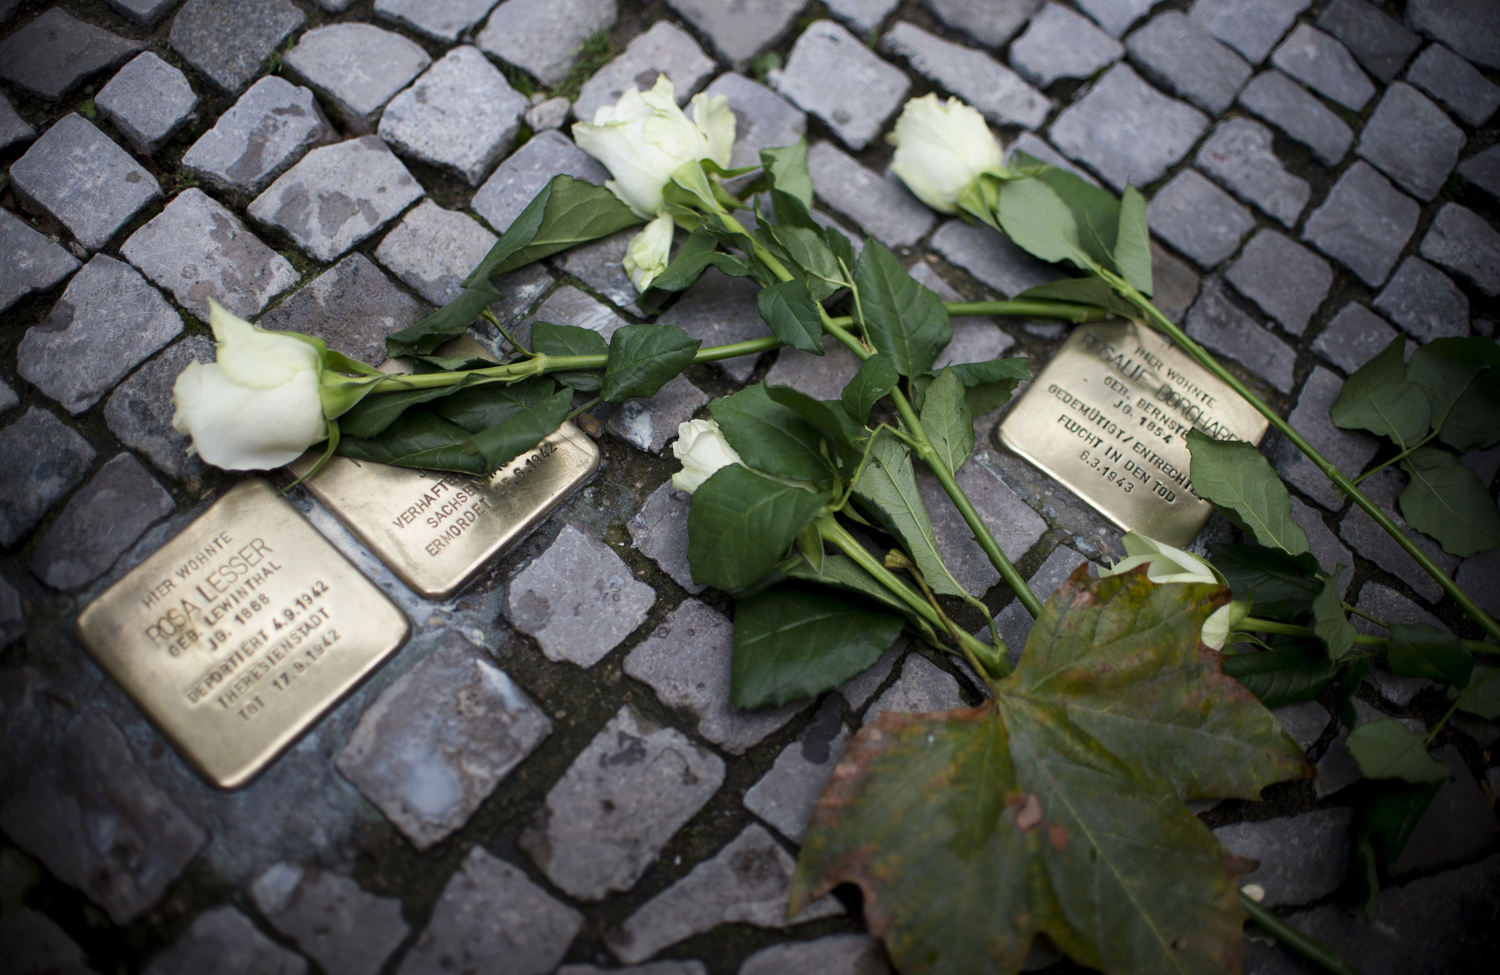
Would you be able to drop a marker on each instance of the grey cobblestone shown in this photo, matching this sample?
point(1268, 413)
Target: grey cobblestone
point(1238, 154)
point(107, 322)
point(1198, 218)
point(882, 205)
point(197, 249)
point(1013, 523)
point(543, 36)
point(1479, 576)
point(352, 306)
point(1038, 148)
point(659, 530)
point(569, 306)
point(461, 115)
point(1424, 301)
point(686, 662)
point(864, 16)
point(490, 910)
point(41, 460)
point(1305, 721)
point(99, 523)
point(1353, 337)
point(921, 688)
point(739, 30)
point(148, 101)
point(224, 940)
point(981, 81)
point(749, 881)
point(1411, 141)
point(268, 129)
point(1457, 825)
point(51, 55)
point(763, 119)
point(1014, 622)
point(1364, 223)
point(1288, 106)
point(139, 411)
point(336, 922)
point(832, 75)
point(1218, 324)
point(1470, 27)
point(229, 40)
point(993, 260)
point(837, 954)
point(990, 22)
point(1115, 16)
point(1324, 65)
point(621, 801)
point(1381, 44)
point(578, 600)
point(1250, 28)
point(1385, 603)
point(598, 265)
point(440, 739)
point(8, 397)
point(13, 128)
point(1370, 540)
point(1285, 279)
point(32, 942)
point(144, 12)
point(1349, 450)
point(1302, 858)
point(785, 796)
point(357, 68)
point(521, 177)
point(29, 261)
point(1094, 130)
point(821, 377)
point(649, 423)
point(1456, 83)
point(1059, 43)
point(548, 114)
point(719, 310)
point(337, 196)
point(1463, 242)
point(441, 20)
point(79, 177)
point(432, 250)
point(1324, 544)
point(1175, 48)
point(664, 49)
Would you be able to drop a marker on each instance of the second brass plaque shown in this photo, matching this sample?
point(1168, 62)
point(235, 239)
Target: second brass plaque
point(435, 529)
point(1109, 417)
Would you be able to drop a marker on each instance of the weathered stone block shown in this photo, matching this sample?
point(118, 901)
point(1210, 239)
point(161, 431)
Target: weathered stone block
point(224, 940)
point(1239, 156)
point(148, 101)
point(1456, 83)
point(543, 36)
point(1424, 301)
point(1324, 65)
point(1463, 242)
point(1177, 50)
point(1292, 109)
point(351, 306)
point(140, 410)
point(1285, 279)
point(1218, 324)
point(29, 261)
point(1250, 28)
point(268, 129)
point(785, 796)
point(1353, 337)
point(664, 49)
point(56, 51)
point(340, 925)
point(357, 68)
point(1381, 44)
point(883, 206)
point(41, 460)
point(1411, 141)
point(832, 75)
point(521, 177)
point(739, 29)
point(229, 40)
point(1363, 224)
point(432, 250)
point(1198, 218)
point(975, 77)
point(1102, 129)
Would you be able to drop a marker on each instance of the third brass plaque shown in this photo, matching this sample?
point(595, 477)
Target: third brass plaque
point(1109, 416)
point(435, 529)
point(238, 634)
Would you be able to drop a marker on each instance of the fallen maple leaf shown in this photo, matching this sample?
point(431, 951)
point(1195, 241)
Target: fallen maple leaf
point(1058, 806)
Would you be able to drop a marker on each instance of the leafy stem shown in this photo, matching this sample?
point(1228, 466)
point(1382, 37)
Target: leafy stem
point(1457, 702)
point(1398, 458)
point(1251, 624)
point(495, 321)
point(1313, 951)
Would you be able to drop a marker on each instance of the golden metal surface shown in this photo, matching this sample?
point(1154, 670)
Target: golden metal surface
point(436, 529)
point(240, 633)
point(1108, 417)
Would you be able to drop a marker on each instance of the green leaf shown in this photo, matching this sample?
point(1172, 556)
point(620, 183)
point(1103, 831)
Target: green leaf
point(451, 320)
point(1280, 677)
point(1388, 814)
point(1235, 476)
point(561, 340)
point(788, 308)
point(565, 212)
point(1133, 242)
point(1474, 423)
point(1476, 350)
point(1058, 217)
point(644, 358)
point(373, 414)
point(888, 490)
point(812, 257)
point(1419, 650)
point(1379, 398)
point(1482, 697)
point(1449, 502)
point(417, 439)
point(791, 644)
point(905, 321)
point(1280, 586)
point(787, 167)
point(791, 211)
point(1089, 290)
point(1442, 378)
point(990, 384)
point(948, 421)
point(1057, 807)
point(1329, 621)
point(875, 379)
point(841, 572)
point(741, 524)
point(772, 438)
point(696, 255)
point(829, 417)
point(504, 442)
point(481, 407)
point(1386, 749)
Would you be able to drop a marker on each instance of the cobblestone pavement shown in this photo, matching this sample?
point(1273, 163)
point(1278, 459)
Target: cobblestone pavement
point(1322, 174)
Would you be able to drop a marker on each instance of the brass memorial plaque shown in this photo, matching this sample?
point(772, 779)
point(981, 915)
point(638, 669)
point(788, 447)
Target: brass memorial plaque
point(436, 529)
point(1108, 417)
point(241, 632)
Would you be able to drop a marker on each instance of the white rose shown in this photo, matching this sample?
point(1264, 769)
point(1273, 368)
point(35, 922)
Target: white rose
point(702, 449)
point(649, 252)
point(643, 138)
point(255, 408)
point(942, 148)
point(1166, 564)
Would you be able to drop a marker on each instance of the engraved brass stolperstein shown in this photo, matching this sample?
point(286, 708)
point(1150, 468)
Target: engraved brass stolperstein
point(236, 636)
point(436, 530)
point(1108, 417)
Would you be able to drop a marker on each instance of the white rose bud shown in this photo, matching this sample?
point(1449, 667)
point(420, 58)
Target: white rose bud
point(942, 148)
point(702, 449)
point(255, 408)
point(649, 252)
point(1166, 564)
point(643, 138)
